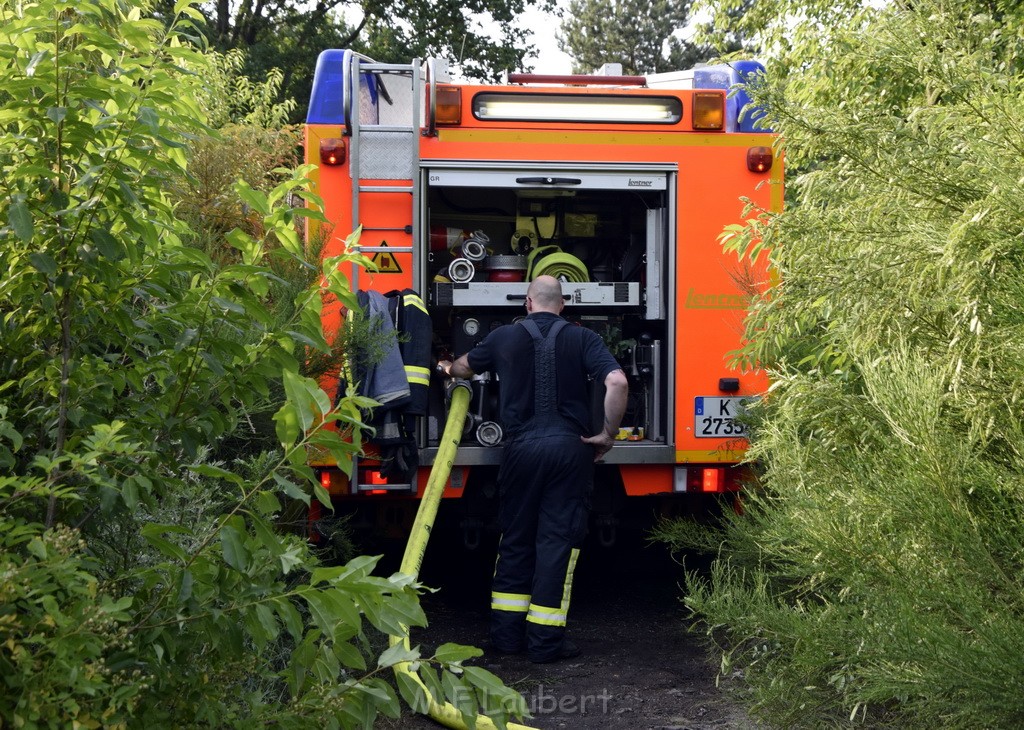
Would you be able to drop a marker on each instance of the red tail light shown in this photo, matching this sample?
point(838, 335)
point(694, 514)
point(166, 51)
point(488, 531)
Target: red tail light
point(759, 159)
point(714, 480)
point(332, 151)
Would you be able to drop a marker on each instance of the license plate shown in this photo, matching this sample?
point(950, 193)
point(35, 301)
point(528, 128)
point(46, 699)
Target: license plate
point(714, 418)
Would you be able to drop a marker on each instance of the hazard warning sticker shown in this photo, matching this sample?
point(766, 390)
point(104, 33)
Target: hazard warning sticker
point(385, 261)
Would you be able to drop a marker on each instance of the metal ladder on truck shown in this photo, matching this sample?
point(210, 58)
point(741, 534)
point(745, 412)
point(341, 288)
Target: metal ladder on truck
point(383, 123)
point(383, 157)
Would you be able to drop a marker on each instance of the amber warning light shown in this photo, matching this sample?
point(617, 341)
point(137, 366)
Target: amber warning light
point(332, 151)
point(449, 105)
point(708, 110)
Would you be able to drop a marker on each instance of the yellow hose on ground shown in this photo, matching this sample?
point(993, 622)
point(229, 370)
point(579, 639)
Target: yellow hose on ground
point(446, 714)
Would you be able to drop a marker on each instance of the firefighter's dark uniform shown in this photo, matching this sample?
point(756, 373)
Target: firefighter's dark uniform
point(546, 473)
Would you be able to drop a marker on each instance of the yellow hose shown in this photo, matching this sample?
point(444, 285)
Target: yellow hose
point(551, 260)
point(446, 714)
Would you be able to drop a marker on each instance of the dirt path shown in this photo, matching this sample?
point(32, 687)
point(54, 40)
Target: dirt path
point(640, 667)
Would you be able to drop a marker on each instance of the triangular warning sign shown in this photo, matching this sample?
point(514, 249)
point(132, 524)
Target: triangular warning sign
point(385, 261)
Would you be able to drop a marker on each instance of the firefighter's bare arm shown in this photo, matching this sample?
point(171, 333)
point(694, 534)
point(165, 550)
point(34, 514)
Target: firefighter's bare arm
point(616, 391)
point(458, 369)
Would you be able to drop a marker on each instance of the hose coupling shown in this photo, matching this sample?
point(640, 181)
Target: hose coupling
point(453, 385)
point(489, 433)
point(461, 271)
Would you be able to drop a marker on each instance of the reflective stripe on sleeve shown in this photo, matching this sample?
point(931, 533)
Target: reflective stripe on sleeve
point(415, 301)
point(515, 602)
point(417, 375)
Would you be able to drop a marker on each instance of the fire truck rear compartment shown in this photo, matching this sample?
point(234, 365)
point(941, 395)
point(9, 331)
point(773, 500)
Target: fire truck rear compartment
point(608, 245)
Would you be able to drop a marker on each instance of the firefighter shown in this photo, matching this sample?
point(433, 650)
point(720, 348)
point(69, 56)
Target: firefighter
point(547, 470)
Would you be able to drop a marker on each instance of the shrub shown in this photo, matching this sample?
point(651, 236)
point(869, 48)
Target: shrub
point(875, 575)
point(143, 582)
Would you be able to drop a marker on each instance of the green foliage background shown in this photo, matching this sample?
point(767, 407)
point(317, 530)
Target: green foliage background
point(645, 36)
point(875, 576)
point(483, 38)
point(144, 580)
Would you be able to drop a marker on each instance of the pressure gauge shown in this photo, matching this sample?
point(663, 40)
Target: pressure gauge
point(471, 327)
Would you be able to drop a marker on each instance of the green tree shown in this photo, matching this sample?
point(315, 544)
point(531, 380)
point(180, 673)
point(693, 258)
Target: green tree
point(876, 573)
point(645, 36)
point(144, 582)
point(482, 36)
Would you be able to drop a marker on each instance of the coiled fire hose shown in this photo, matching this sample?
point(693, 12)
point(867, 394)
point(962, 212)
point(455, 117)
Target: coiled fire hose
point(551, 260)
point(446, 714)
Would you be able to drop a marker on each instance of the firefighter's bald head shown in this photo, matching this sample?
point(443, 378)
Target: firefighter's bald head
point(545, 294)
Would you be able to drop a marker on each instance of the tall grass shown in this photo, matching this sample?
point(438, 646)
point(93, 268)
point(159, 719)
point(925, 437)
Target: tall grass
point(877, 575)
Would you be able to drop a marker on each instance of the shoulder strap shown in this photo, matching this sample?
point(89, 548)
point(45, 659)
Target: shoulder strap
point(545, 392)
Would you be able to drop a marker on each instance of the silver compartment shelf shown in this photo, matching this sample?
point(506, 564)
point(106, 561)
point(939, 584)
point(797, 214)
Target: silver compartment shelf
point(641, 452)
point(504, 294)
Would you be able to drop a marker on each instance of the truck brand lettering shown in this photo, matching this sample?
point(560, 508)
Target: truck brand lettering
point(640, 183)
point(695, 300)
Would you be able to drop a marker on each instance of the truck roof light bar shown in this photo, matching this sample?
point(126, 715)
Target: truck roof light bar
point(577, 108)
point(577, 79)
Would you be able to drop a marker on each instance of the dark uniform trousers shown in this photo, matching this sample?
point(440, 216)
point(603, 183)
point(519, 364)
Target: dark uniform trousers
point(545, 482)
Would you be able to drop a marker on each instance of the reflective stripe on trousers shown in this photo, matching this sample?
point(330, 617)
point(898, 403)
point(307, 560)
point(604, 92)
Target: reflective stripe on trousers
point(547, 616)
point(515, 602)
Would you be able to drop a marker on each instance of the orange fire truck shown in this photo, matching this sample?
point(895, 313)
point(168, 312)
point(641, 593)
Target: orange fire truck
point(620, 186)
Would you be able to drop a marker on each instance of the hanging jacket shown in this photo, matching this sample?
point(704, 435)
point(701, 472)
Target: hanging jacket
point(401, 381)
point(413, 324)
point(384, 381)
